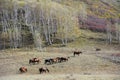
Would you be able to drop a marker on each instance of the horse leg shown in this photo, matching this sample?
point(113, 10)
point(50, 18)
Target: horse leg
point(45, 62)
point(47, 70)
point(74, 54)
point(51, 62)
point(40, 72)
point(29, 61)
point(26, 70)
point(38, 62)
point(33, 62)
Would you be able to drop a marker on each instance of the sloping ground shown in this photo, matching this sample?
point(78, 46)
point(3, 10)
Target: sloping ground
point(87, 65)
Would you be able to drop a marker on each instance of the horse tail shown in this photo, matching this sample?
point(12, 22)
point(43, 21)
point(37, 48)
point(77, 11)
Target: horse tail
point(26, 69)
point(29, 61)
point(20, 69)
point(45, 62)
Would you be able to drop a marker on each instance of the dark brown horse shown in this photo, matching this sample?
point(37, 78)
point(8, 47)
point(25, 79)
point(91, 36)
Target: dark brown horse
point(23, 69)
point(34, 60)
point(63, 59)
point(77, 53)
point(98, 49)
point(43, 70)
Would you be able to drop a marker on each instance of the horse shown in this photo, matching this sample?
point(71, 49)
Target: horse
point(63, 59)
point(98, 49)
point(23, 69)
point(43, 70)
point(34, 60)
point(56, 60)
point(49, 61)
point(77, 53)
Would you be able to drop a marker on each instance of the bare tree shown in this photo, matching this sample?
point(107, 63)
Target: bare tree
point(109, 32)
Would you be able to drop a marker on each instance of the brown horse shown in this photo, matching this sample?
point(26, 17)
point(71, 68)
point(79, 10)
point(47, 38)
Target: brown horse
point(34, 60)
point(23, 69)
point(43, 70)
point(77, 53)
point(56, 60)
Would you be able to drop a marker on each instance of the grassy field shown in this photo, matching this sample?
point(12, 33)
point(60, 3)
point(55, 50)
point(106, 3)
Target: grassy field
point(91, 65)
point(87, 65)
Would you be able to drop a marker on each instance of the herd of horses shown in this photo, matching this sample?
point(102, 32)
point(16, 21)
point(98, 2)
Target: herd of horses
point(56, 60)
point(49, 62)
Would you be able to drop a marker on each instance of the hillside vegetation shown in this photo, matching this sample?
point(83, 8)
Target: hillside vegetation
point(39, 23)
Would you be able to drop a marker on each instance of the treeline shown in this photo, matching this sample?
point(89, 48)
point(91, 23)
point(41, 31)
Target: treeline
point(42, 22)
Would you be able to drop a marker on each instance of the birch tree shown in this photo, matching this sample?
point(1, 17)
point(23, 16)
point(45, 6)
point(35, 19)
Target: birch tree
point(109, 30)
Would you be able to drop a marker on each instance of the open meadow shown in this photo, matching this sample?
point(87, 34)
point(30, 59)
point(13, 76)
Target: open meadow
point(90, 65)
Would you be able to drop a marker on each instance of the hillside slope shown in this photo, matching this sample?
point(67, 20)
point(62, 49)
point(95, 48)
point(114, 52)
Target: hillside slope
point(98, 12)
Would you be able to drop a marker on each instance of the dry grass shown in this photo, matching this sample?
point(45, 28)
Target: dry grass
point(84, 67)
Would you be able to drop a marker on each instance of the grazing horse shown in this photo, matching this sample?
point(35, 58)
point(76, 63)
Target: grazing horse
point(34, 60)
point(56, 60)
point(49, 61)
point(23, 69)
point(98, 49)
point(63, 59)
point(43, 70)
point(77, 53)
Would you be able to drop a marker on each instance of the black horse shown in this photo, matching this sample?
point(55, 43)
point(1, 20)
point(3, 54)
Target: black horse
point(49, 61)
point(43, 70)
